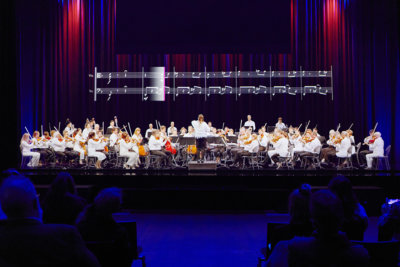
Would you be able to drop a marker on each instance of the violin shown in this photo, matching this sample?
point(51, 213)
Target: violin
point(372, 140)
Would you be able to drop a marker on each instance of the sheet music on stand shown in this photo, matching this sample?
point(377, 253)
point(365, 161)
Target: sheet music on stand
point(155, 85)
point(187, 141)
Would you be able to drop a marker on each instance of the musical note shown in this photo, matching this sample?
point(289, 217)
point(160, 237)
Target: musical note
point(226, 75)
point(109, 78)
point(145, 95)
point(310, 89)
point(292, 74)
point(262, 87)
point(322, 90)
point(109, 96)
point(125, 71)
point(273, 73)
point(281, 90)
point(227, 88)
point(261, 74)
point(196, 76)
point(322, 73)
point(291, 91)
point(197, 89)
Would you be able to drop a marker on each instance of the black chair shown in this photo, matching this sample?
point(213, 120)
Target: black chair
point(384, 253)
point(266, 252)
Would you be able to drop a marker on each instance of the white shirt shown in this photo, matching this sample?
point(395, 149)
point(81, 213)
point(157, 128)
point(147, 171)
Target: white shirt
point(148, 131)
point(113, 139)
point(155, 144)
point(86, 132)
point(282, 147)
point(343, 148)
point(170, 130)
point(280, 126)
point(311, 146)
point(252, 147)
point(124, 147)
point(250, 123)
point(263, 140)
point(69, 130)
point(26, 148)
point(77, 145)
point(57, 145)
point(92, 146)
point(188, 135)
point(378, 147)
point(201, 130)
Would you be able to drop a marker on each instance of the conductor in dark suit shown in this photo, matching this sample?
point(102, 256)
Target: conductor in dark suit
point(26, 241)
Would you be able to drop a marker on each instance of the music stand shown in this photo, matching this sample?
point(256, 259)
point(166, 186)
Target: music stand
point(232, 139)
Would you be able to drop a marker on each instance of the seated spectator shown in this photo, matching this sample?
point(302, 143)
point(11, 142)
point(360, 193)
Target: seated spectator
point(62, 204)
point(97, 225)
point(300, 221)
point(355, 218)
point(327, 246)
point(26, 241)
point(389, 222)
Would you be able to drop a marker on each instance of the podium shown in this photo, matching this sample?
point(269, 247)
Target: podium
point(206, 166)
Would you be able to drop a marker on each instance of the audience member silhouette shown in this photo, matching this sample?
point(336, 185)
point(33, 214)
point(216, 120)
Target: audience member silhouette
point(389, 222)
point(26, 241)
point(355, 218)
point(97, 226)
point(327, 246)
point(62, 204)
point(300, 221)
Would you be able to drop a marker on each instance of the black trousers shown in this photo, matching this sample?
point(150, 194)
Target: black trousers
point(363, 156)
point(165, 156)
point(241, 154)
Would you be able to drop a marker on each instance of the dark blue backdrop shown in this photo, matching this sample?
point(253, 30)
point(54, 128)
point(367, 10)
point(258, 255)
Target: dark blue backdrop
point(60, 42)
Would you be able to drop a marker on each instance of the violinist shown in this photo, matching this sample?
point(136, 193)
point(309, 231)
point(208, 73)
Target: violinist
point(231, 133)
point(69, 148)
point(190, 132)
point(26, 146)
point(368, 141)
point(69, 128)
point(311, 144)
point(281, 149)
point(244, 135)
point(114, 137)
point(296, 140)
point(182, 131)
point(329, 152)
point(88, 129)
point(40, 144)
point(79, 145)
point(58, 144)
point(156, 146)
point(377, 149)
point(126, 150)
point(92, 147)
point(263, 140)
point(201, 130)
point(250, 146)
point(137, 140)
point(343, 146)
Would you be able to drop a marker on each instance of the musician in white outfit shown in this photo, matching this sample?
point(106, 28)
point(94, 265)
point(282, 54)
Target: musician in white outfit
point(92, 146)
point(250, 123)
point(126, 150)
point(171, 128)
point(26, 146)
point(280, 125)
point(201, 130)
point(343, 147)
point(88, 129)
point(114, 137)
point(377, 148)
point(77, 145)
point(281, 148)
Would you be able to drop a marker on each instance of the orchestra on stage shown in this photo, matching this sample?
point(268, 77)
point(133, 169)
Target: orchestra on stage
point(272, 147)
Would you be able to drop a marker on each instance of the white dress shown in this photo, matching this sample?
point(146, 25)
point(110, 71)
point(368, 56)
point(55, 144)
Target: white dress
point(133, 156)
point(92, 145)
point(26, 151)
